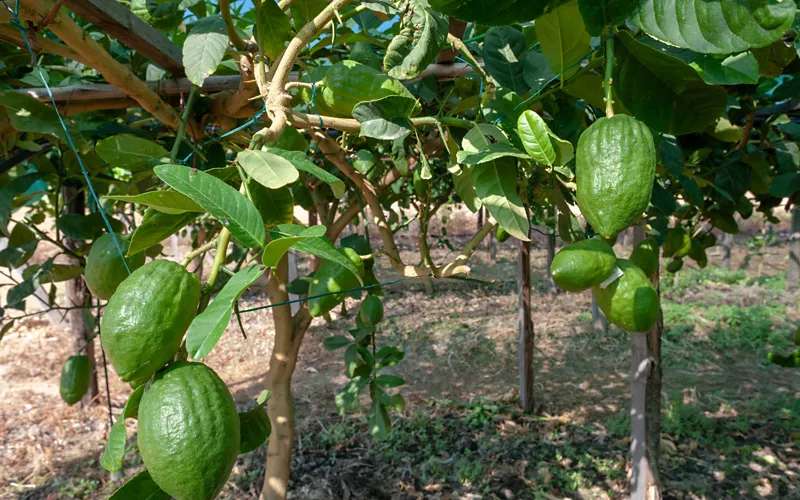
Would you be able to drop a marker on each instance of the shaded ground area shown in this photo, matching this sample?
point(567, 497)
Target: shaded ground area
point(731, 420)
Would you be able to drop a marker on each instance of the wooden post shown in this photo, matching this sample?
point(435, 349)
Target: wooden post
point(793, 271)
point(78, 295)
point(646, 403)
point(551, 253)
point(599, 321)
point(727, 245)
point(526, 333)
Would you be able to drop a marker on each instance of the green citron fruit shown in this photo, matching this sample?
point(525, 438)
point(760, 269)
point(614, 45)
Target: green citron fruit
point(615, 171)
point(675, 265)
point(333, 277)
point(502, 235)
point(74, 379)
point(645, 255)
point(189, 431)
point(146, 318)
point(349, 82)
point(371, 310)
point(630, 301)
point(105, 269)
point(583, 264)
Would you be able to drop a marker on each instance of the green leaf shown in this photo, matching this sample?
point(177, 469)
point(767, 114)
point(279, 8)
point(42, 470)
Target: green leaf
point(59, 273)
point(598, 14)
point(396, 401)
point(140, 487)
point(304, 11)
point(272, 28)
point(131, 409)
point(86, 227)
point(347, 398)
point(662, 91)
point(130, 152)
point(225, 203)
point(496, 186)
point(28, 114)
point(737, 69)
point(491, 152)
point(336, 342)
point(568, 227)
point(535, 136)
point(115, 447)
point(7, 194)
point(466, 190)
point(22, 242)
point(481, 136)
point(168, 201)
point(255, 429)
point(422, 35)
point(504, 56)
point(536, 71)
point(268, 169)
point(715, 26)
point(156, 227)
point(301, 162)
point(497, 13)
point(563, 39)
point(379, 422)
point(204, 48)
point(393, 106)
point(387, 130)
point(773, 58)
point(389, 381)
point(207, 327)
point(785, 185)
point(276, 206)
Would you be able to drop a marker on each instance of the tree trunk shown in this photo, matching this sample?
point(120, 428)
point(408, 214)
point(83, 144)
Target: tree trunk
point(78, 295)
point(793, 271)
point(646, 404)
point(526, 332)
point(727, 245)
point(599, 321)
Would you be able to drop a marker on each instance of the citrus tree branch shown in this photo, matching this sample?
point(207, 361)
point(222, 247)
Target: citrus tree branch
point(233, 34)
point(11, 35)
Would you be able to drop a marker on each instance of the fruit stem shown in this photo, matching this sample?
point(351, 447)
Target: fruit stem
point(187, 110)
point(609, 79)
point(219, 260)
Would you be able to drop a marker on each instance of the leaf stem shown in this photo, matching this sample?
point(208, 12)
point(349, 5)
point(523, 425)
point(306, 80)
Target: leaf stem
point(219, 260)
point(194, 253)
point(233, 35)
point(609, 79)
point(187, 110)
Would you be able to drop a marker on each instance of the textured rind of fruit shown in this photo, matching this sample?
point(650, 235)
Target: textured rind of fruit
point(104, 269)
point(74, 379)
point(502, 235)
point(583, 264)
point(630, 302)
point(371, 310)
point(331, 277)
point(146, 318)
point(645, 255)
point(615, 170)
point(349, 82)
point(189, 434)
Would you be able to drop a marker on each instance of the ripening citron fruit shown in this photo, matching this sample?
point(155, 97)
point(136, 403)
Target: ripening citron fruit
point(583, 264)
point(189, 431)
point(74, 379)
point(371, 312)
point(630, 301)
point(105, 269)
point(645, 255)
point(615, 170)
point(332, 277)
point(146, 318)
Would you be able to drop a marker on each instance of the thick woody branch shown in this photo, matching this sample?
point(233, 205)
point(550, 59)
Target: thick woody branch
point(459, 264)
point(96, 57)
point(336, 228)
point(233, 34)
point(11, 35)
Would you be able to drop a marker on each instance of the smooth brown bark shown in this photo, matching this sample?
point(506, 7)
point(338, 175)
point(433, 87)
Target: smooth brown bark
point(525, 326)
point(78, 295)
point(793, 270)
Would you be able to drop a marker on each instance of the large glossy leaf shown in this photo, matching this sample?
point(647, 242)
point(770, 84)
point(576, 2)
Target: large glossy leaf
point(504, 55)
point(301, 162)
point(308, 240)
point(491, 152)
point(598, 14)
point(466, 190)
point(276, 206)
point(225, 203)
point(115, 447)
point(204, 48)
point(268, 169)
point(662, 91)
point(423, 33)
point(774, 57)
point(156, 227)
point(563, 39)
point(207, 327)
point(385, 118)
point(272, 28)
point(496, 13)
point(536, 71)
point(304, 11)
point(535, 136)
point(255, 429)
point(86, 227)
point(140, 487)
point(738, 69)
point(168, 201)
point(19, 185)
point(27, 114)
point(716, 26)
point(130, 152)
point(496, 186)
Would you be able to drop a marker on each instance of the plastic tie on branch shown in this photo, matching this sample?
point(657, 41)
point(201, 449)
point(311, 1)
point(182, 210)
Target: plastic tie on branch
point(24, 32)
point(615, 275)
point(249, 122)
point(313, 107)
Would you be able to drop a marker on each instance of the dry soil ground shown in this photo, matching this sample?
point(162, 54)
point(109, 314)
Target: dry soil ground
point(731, 420)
